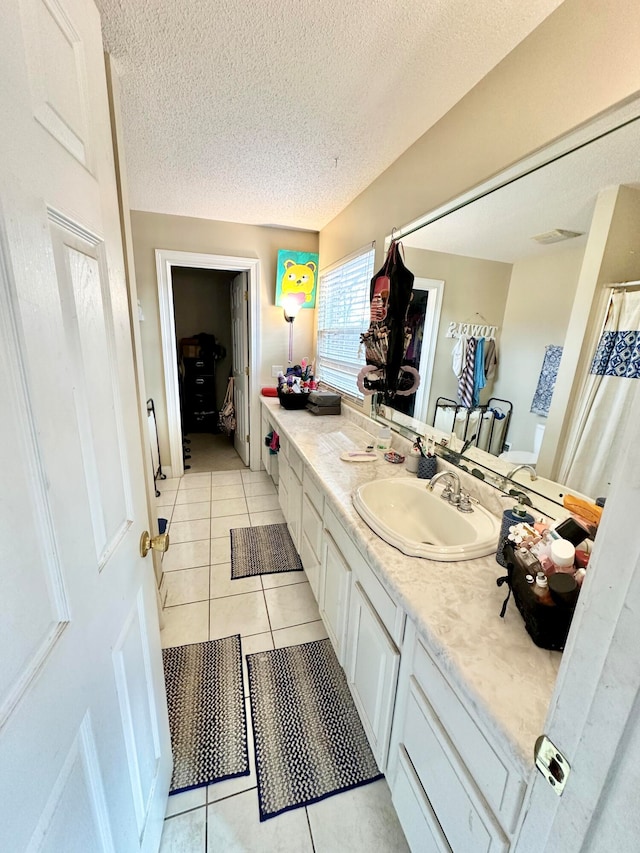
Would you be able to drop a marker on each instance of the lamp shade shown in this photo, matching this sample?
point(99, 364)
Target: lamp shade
point(292, 303)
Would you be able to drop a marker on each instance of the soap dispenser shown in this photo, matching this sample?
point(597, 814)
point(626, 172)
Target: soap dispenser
point(516, 515)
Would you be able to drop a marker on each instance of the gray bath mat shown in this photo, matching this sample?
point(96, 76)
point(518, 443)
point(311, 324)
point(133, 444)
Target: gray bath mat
point(309, 740)
point(262, 551)
point(207, 715)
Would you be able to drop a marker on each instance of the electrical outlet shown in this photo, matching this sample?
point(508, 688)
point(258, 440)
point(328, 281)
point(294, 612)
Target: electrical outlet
point(275, 370)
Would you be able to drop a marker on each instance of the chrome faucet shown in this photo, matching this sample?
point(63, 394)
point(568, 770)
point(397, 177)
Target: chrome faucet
point(529, 468)
point(451, 494)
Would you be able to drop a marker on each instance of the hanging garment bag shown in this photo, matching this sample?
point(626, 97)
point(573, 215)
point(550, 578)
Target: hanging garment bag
point(227, 415)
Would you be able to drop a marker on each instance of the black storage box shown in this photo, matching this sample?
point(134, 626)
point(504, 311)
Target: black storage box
point(547, 625)
point(292, 400)
point(324, 403)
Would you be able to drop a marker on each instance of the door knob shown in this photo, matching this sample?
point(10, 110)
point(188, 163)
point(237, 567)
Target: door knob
point(157, 543)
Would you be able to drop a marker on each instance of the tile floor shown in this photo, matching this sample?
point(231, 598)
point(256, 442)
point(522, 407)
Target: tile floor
point(211, 452)
point(270, 611)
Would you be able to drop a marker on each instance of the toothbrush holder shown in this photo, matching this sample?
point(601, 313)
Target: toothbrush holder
point(427, 467)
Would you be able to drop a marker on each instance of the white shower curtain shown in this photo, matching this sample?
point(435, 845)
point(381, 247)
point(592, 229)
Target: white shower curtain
point(608, 392)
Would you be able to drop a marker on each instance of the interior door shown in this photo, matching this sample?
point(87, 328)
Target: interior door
point(240, 343)
point(85, 759)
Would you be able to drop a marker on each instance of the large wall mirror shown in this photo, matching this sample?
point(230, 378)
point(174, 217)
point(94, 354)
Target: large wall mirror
point(547, 297)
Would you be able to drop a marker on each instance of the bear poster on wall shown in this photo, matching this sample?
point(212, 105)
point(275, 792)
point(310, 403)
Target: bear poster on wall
point(296, 275)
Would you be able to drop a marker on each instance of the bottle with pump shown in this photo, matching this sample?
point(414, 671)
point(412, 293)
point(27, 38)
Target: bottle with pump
point(509, 518)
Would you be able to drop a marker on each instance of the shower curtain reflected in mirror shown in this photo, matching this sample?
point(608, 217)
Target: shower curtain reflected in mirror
point(608, 392)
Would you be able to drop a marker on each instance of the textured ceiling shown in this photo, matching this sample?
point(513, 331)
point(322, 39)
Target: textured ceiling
point(238, 111)
point(563, 194)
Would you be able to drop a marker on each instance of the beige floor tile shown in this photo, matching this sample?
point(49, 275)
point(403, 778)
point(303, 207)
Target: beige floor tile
point(186, 555)
point(187, 623)
point(221, 526)
point(283, 579)
point(189, 531)
point(238, 614)
point(360, 821)
point(192, 496)
point(223, 508)
point(298, 634)
point(222, 585)
point(169, 483)
point(221, 549)
point(272, 516)
point(186, 801)
point(191, 511)
point(252, 490)
point(186, 586)
point(194, 481)
point(263, 503)
point(291, 605)
point(234, 827)
point(256, 477)
point(226, 478)
point(167, 498)
point(185, 833)
point(225, 493)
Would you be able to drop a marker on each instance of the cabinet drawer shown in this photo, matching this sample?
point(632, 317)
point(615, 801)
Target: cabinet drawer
point(295, 461)
point(313, 492)
point(390, 614)
point(416, 816)
point(500, 784)
point(311, 524)
point(466, 822)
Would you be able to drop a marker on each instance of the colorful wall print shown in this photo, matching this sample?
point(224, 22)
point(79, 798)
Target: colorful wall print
point(297, 275)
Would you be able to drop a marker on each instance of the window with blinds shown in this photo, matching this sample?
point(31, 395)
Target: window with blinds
point(343, 315)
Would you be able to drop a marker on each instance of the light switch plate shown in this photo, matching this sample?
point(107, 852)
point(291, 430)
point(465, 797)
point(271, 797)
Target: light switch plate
point(275, 370)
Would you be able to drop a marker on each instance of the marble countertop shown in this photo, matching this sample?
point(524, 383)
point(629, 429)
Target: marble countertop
point(492, 663)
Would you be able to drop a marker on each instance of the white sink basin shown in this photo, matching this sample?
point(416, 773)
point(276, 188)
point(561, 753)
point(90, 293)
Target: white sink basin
point(408, 516)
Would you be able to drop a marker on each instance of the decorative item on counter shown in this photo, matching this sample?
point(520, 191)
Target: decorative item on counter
point(413, 458)
point(511, 517)
point(293, 387)
point(394, 457)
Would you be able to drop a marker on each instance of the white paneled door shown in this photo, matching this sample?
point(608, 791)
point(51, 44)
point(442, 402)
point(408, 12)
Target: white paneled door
point(240, 343)
point(84, 750)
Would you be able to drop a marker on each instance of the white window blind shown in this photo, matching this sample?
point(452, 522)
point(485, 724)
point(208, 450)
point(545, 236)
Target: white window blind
point(343, 315)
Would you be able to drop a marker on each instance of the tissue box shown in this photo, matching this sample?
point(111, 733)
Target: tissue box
point(324, 403)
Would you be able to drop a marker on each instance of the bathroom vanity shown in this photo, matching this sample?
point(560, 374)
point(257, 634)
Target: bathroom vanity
point(452, 697)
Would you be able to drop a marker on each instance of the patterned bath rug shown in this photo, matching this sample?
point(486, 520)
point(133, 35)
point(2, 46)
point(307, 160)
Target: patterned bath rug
point(207, 715)
point(309, 740)
point(262, 551)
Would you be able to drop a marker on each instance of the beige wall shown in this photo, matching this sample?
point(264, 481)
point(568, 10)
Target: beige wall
point(577, 63)
point(153, 231)
point(539, 303)
point(470, 285)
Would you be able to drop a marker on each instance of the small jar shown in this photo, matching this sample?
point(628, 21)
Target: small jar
point(563, 555)
point(541, 589)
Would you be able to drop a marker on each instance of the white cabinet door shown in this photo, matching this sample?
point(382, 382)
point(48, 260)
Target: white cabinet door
point(311, 544)
point(294, 508)
point(334, 595)
point(372, 672)
point(283, 483)
point(85, 758)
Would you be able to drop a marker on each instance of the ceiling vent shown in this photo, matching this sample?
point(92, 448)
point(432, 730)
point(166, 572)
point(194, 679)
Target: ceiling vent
point(556, 236)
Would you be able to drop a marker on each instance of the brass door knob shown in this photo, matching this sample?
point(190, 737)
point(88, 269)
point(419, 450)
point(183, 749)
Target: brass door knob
point(158, 543)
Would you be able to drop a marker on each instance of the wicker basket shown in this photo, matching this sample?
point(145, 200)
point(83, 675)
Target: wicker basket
point(293, 401)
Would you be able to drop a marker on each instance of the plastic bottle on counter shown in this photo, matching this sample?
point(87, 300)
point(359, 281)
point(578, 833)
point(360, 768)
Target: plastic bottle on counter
point(413, 457)
point(511, 517)
point(383, 441)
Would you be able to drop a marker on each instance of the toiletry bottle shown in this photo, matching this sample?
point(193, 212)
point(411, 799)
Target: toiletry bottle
point(509, 518)
point(383, 441)
point(563, 555)
point(541, 589)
